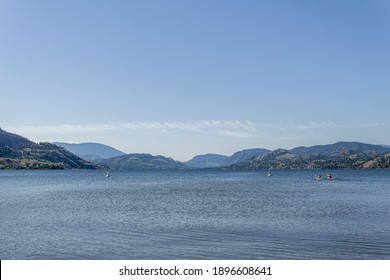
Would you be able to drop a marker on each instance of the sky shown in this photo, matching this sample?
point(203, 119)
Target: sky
point(181, 78)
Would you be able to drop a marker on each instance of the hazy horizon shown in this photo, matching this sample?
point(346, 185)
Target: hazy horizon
point(194, 155)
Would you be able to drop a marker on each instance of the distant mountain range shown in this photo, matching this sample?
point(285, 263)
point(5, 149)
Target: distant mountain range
point(341, 155)
point(142, 162)
point(245, 155)
point(91, 151)
point(215, 160)
point(115, 159)
point(340, 148)
point(17, 152)
point(206, 161)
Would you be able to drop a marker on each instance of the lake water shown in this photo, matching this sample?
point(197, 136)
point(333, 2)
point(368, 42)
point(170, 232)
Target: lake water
point(194, 215)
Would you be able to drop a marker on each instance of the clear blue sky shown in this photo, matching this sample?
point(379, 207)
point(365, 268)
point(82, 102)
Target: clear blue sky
point(181, 78)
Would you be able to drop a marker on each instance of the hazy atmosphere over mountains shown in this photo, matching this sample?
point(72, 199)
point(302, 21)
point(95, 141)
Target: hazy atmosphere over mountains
point(214, 160)
point(91, 151)
point(17, 152)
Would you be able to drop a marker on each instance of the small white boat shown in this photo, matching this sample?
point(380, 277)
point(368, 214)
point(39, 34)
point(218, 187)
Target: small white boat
point(108, 175)
point(269, 173)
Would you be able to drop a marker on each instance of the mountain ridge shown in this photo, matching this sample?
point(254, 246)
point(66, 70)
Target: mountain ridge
point(143, 162)
point(339, 147)
point(90, 151)
point(17, 152)
point(246, 154)
point(340, 155)
point(216, 160)
point(206, 161)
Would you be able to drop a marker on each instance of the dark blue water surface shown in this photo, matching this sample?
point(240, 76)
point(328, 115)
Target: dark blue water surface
point(194, 215)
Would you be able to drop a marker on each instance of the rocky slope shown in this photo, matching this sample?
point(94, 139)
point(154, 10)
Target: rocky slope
point(17, 152)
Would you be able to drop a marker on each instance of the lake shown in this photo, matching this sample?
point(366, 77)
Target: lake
point(79, 214)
